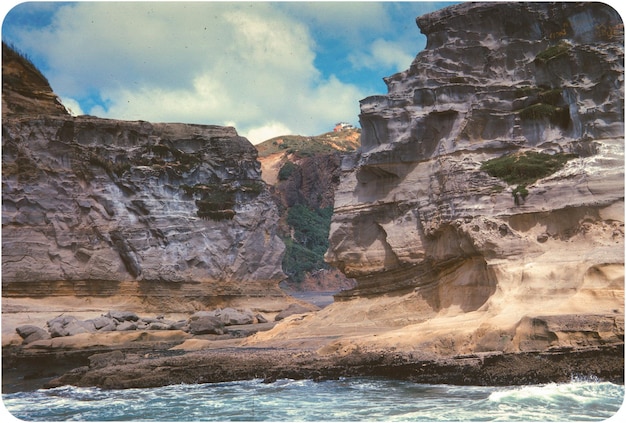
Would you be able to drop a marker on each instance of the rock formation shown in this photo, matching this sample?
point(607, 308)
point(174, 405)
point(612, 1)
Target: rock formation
point(164, 216)
point(450, 259)
point(482, 219)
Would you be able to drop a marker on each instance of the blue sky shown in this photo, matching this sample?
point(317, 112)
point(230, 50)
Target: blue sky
point(267, 69)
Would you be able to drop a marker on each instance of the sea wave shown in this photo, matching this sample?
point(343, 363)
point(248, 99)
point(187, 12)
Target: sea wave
point(359, 399)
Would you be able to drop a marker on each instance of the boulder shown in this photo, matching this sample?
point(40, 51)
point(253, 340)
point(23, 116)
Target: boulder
point(103, 323)
point(158, 326)
point(180, 325)
point(230, 316)
point(31, 333)
point(294, 309)
point(122, 316)
point(200, 324)
point(68, 326)
point(127, 325)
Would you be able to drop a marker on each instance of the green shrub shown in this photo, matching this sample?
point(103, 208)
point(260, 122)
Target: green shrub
point(298, 260)
point(525, 168)
point(159, 149)
point(524, 91)
point(306, 248)
point(556, 115)
point(553, 97)
point(216, 203)
point(286, 170)
point(251, 186)
point(520, 191)
point(552, 52)
point(218, 200)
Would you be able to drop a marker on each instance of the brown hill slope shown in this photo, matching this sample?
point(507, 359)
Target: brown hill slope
point(275, 152)
point(27, 91)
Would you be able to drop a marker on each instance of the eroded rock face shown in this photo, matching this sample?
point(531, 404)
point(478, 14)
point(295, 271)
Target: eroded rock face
point(100, 206)
point(416, 216)
point(167, 213)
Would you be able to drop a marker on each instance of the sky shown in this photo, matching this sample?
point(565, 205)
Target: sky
point(266, 68)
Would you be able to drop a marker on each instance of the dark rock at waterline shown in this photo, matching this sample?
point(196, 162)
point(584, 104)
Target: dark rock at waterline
point(102, 360)
point(119, 371)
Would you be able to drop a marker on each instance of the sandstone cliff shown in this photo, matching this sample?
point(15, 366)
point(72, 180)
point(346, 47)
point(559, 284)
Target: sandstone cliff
point(450, 259)
point(104, 213)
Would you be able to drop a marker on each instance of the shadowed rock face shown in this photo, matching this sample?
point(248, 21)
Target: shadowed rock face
point(414, 213)
point(91, 207)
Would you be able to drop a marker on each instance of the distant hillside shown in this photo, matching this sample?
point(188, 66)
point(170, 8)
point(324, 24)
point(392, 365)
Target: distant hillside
point(346, 140)
point(275, 152)
point(304, 172)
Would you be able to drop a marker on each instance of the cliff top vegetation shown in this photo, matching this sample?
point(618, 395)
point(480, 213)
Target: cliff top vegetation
point(303, 146)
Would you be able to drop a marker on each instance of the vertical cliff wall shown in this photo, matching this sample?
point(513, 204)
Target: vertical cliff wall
point(415, 209)
point(173, 215)
point(485, 208)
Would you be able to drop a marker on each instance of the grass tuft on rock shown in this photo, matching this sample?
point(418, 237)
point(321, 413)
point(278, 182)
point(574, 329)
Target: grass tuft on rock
point(524, 169)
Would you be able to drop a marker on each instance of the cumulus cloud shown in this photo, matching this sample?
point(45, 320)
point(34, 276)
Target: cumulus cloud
point(384, 54)
point(265, 132)
point(72, 106)
point(249, 64)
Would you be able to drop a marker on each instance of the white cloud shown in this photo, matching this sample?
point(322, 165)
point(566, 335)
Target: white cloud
point(72, 106)
point(266, 132)
point(384, 54)
point(201, 62)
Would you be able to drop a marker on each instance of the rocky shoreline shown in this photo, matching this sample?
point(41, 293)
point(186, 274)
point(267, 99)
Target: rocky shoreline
point(154, 364)
point(123, 350)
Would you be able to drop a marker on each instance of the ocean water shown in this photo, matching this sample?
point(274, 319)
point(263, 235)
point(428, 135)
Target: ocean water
point(358, 399)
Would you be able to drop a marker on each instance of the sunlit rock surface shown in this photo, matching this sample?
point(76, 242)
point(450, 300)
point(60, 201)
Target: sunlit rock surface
point(446, 258)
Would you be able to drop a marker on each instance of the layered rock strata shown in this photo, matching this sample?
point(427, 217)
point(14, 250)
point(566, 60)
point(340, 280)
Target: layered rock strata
point(453, 260)
point(147, 216)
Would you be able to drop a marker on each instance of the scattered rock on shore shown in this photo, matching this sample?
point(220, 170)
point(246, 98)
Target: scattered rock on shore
point(201, 322)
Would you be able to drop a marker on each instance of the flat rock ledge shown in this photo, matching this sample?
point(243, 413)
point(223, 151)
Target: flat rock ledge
point(155, 365)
